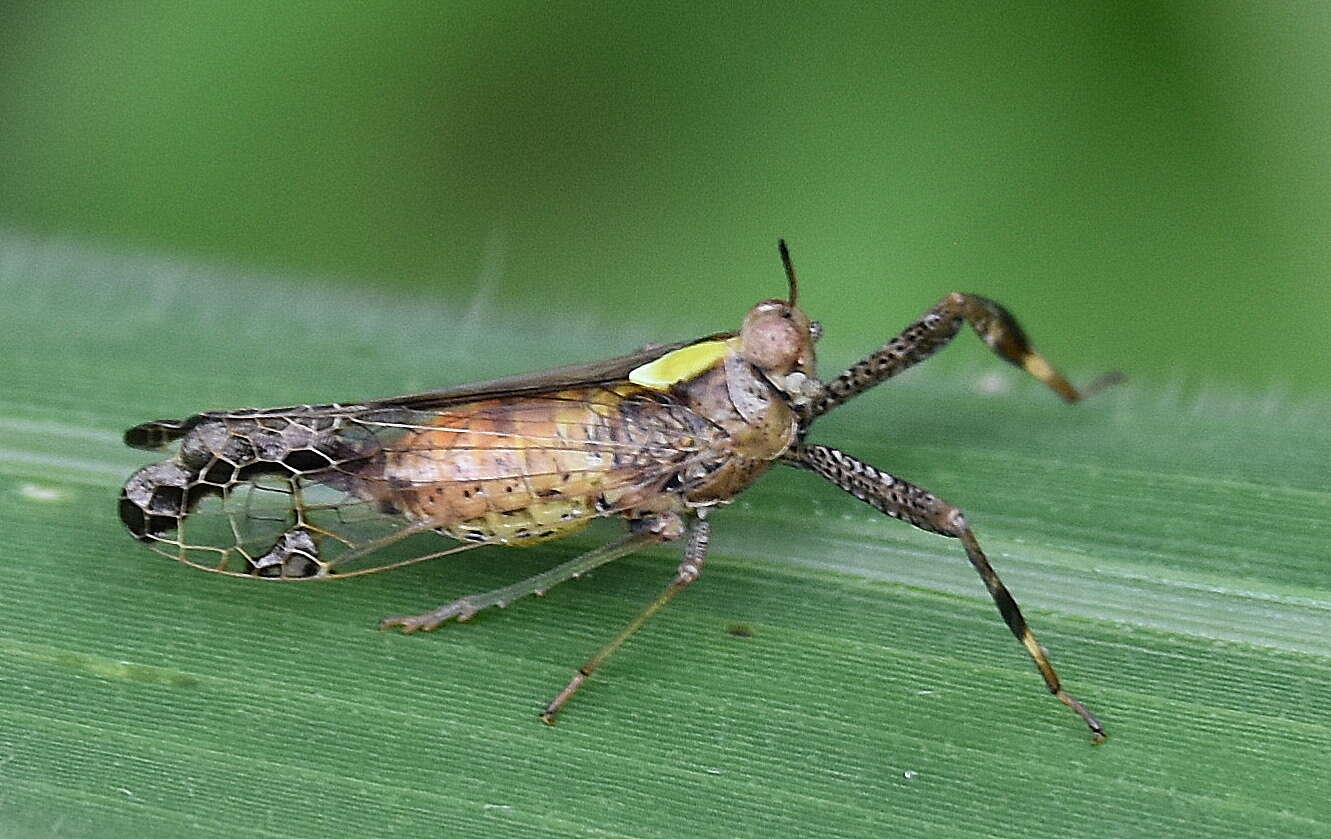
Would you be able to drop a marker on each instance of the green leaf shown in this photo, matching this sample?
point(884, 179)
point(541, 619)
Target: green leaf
point(834, 673)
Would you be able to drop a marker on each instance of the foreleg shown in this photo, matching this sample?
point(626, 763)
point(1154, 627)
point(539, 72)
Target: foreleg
point(995, 326)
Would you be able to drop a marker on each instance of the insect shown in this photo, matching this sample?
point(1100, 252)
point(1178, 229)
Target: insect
point(658, 438)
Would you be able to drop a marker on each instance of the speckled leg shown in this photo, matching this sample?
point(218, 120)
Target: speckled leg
point(695, 553)
point(995, 326)
point(465, 607)
point(913, 504)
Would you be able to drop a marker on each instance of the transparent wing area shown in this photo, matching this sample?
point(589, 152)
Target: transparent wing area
point(315, 491)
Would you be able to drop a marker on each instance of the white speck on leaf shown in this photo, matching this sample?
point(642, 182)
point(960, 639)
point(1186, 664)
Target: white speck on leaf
point(993, 383)
point(37, 492)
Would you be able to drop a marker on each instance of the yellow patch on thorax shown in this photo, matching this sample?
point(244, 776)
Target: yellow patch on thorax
point(682, 365)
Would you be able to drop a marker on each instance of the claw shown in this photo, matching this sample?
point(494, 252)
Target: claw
point(459, 610)
point(409, 624)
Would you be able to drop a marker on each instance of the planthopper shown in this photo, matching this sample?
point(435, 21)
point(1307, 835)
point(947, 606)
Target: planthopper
point(658, 438)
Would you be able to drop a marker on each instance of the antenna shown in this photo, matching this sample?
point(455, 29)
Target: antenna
point(790, 269)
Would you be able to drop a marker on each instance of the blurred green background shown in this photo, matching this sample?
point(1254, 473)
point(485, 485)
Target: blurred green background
point(1147, 184)
point(210, 205)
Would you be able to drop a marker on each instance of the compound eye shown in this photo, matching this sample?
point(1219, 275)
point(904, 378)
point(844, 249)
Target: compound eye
point(815, 330)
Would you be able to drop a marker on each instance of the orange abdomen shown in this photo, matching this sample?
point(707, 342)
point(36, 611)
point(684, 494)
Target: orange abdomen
point(521, 470)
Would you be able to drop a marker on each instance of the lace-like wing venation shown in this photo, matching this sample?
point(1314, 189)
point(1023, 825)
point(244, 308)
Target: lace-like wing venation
point(310, 491)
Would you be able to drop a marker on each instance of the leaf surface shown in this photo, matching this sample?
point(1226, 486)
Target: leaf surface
point(834, 672)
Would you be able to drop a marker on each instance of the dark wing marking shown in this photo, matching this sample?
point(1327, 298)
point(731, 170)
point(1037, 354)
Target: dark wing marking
point(158, 433)
point(310, 493)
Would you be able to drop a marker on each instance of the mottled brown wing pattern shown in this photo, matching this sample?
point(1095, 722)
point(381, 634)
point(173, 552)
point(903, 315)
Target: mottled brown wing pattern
point(316, 491)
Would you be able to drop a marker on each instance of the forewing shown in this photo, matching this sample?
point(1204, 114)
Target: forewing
point(314, 491)
point(158, 433)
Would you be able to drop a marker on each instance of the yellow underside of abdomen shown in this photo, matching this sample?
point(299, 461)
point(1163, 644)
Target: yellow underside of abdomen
point(527, 526)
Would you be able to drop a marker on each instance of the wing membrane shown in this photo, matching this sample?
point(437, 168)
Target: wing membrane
point(316, 491)
point(158, 433)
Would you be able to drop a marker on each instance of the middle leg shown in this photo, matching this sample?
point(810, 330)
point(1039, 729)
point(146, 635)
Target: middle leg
point(916, 505)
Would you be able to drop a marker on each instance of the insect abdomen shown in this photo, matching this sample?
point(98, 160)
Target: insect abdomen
point(524, 470)
point(528, 526)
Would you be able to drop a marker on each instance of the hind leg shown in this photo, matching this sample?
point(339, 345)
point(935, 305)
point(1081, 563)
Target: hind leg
point(690, 568)
point(645, 532)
